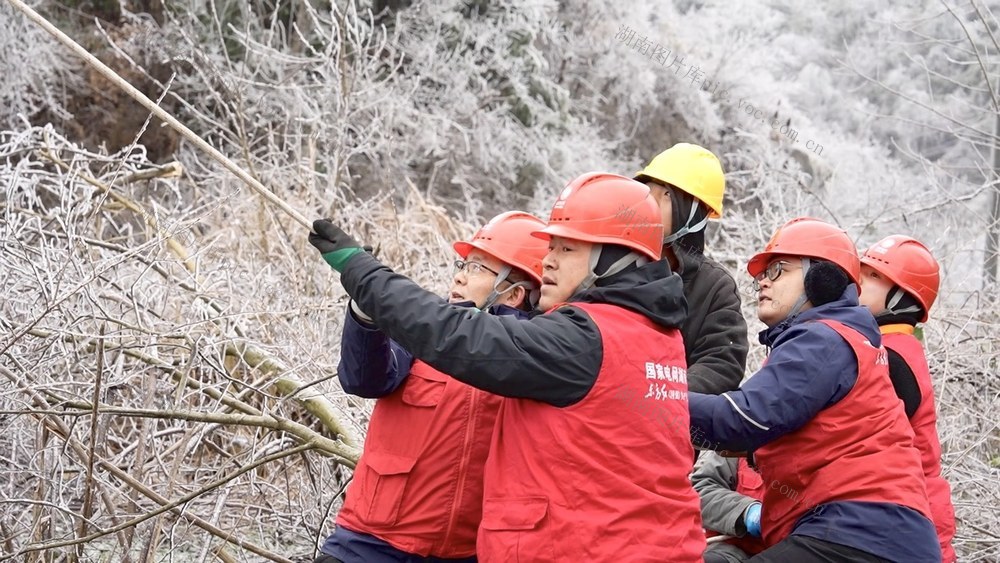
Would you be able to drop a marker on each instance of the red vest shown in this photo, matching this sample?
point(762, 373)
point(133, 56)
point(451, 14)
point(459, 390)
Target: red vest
point(900, 339)
point(748, 483)
point(605, 479)
point(859, 449)
point(419, 482)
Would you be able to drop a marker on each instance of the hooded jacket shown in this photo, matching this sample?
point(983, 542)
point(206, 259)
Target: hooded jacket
point(554, 357)
point(715, 332)
point(549, 495)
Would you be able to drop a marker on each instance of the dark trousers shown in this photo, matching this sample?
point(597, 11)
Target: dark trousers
point(324, 558)
point(803, 549)
point(713, 556)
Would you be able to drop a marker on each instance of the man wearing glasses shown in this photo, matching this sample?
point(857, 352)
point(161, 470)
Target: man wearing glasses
point(842, 480)
point(417, 492)
point(591, 452)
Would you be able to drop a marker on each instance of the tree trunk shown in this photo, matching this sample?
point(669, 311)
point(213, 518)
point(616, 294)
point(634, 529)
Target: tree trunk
point(993, 225)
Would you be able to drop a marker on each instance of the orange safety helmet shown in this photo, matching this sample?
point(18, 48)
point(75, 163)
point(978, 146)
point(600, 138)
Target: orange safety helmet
point(604, 208)
point(910, 265)
point(508, 238)
point(810, 238)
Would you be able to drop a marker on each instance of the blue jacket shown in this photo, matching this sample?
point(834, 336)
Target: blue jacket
point(809, 368)
point(372, 365)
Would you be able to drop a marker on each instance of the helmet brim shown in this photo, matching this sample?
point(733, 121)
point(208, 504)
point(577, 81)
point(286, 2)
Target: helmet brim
point(758, 263)
point(463, 248)
point(642, 178)
point(573, 234)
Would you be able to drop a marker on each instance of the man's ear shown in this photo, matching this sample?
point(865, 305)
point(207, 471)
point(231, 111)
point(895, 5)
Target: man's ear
point(517, 297)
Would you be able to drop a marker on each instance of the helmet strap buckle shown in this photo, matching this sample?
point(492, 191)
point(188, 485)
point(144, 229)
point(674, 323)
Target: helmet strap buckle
point(491, 299)
point(894, 299)
point(688, 228)
point(595, 256)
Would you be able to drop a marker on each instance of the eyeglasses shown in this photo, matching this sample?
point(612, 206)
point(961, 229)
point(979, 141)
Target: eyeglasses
point(472, 268)
point(773, 272)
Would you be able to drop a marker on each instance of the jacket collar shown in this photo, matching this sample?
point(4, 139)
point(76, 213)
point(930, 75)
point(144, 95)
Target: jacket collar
point(500, 310)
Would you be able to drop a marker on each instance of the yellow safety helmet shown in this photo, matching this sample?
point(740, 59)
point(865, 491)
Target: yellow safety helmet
point(691, 168)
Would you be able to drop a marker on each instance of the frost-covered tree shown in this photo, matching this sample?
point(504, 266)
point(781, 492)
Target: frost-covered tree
point(37, 75)
point(141, 278)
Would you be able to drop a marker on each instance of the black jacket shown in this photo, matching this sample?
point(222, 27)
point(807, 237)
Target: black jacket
point(554, 357)
point(715, 333)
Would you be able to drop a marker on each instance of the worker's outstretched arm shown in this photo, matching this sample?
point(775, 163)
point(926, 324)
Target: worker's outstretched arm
point(812, 370)
point(553, 358)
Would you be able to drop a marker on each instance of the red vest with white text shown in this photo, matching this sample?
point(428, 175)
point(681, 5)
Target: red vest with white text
point(859, 449)
point(604, 479)
point(900, 339)
point(419, 482)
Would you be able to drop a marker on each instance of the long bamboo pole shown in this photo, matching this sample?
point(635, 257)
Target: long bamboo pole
point(160, 112)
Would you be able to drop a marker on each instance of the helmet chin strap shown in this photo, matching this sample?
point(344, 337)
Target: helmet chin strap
point(894, 299)
point(495, 294)
point(688, 228)
point(801, 301)
point(491, 299)
point(619, 265)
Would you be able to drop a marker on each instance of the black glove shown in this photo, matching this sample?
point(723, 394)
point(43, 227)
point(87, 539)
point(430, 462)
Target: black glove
point(333, 243)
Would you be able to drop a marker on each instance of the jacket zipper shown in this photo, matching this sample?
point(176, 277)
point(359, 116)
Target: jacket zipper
point(463, 465)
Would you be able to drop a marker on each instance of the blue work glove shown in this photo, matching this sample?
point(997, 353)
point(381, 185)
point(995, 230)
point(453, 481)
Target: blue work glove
point(334, 244)
point(751, 517)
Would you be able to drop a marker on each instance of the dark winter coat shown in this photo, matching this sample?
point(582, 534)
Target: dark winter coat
point(715, 333)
